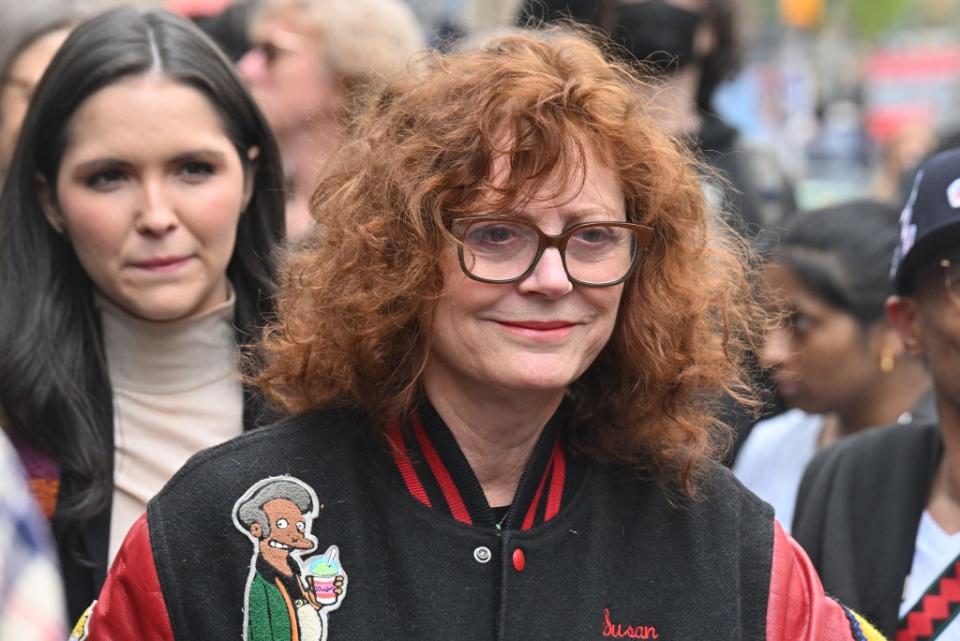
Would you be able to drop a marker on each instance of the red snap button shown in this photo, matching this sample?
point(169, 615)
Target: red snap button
point(519, 560)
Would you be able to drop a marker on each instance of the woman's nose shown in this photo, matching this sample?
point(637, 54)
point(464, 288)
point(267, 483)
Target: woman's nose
point(252, 66)
point(776, 348)
point(548, 276)
point(157, 215)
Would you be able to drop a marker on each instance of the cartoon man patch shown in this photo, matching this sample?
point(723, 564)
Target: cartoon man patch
point(286, 598)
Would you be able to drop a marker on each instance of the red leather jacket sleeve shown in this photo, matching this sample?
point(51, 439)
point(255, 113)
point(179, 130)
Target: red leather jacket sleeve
point(130, 605)
point(798, 609)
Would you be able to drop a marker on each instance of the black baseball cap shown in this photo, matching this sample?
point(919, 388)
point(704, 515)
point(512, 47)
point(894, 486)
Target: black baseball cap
point(930, 223)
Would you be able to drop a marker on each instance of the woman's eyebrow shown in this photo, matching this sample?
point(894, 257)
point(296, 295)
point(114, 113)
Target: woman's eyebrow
point(193, 154)
point(592, 212)
point(97, 164)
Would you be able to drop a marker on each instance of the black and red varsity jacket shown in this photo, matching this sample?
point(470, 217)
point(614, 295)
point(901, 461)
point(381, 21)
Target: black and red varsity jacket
point(317, 529)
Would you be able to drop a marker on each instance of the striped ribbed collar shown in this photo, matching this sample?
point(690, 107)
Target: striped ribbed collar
point(433, 468)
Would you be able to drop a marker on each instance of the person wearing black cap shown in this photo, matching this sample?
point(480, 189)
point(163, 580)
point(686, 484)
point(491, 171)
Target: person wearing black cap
point(879, 514)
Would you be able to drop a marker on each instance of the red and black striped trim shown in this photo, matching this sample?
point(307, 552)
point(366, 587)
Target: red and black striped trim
point(938, 606)
point(435, 471)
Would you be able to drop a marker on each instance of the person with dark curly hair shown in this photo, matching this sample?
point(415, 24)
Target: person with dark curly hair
point(502, 354)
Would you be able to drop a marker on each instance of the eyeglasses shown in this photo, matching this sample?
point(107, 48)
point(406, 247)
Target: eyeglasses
point(506, 250)
point(951, 278)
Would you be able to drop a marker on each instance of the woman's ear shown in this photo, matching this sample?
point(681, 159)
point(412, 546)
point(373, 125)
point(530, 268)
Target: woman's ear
point(902, 315)
point(704, 40)
point(47, 197)
point(253, 155)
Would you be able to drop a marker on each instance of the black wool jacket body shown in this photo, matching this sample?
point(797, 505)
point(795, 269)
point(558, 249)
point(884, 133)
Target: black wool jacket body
point(363, 537)
point(858, 512)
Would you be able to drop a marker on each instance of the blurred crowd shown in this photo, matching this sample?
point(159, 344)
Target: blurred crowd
point(310, 158)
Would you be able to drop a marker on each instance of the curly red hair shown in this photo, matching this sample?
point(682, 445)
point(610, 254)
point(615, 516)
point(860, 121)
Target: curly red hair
point(356, 299)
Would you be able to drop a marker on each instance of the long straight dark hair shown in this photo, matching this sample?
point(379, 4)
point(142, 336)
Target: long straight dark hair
point(54, 385)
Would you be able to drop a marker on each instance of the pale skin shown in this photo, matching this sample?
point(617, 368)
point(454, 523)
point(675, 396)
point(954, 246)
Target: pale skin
point(149, 193)
point(929, 322)
point(301, 97)
point(497, 433)
point(492, 379)
point(22, 78)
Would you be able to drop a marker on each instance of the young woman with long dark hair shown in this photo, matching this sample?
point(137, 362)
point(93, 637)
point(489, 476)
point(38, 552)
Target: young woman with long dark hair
point(142, 206)
point(836, 360)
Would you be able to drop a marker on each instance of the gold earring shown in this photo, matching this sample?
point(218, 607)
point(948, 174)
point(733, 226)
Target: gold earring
point(886, 360)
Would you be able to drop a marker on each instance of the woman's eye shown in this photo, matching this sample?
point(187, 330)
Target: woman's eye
point(492, 234)
point(196, 171)
point(799, 323)
point(106, 179)
point(595, 235)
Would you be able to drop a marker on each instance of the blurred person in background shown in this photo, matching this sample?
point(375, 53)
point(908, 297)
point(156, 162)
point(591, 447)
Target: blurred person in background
point(693, 46)
point(227, 22)
point(312, 63)
point(31, 593)
point(879, 513)
point(142, 206)
point(899, 158)
point(835, 359)
point(30, 34)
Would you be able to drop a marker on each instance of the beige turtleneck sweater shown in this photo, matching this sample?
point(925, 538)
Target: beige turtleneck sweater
point(176, 390)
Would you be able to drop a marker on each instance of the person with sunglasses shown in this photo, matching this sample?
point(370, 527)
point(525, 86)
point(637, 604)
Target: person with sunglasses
point(502, 354)
point(879, 514)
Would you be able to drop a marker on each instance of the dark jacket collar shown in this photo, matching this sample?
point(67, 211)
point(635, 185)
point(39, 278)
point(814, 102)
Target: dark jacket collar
point(858, 510)
point(433, 468)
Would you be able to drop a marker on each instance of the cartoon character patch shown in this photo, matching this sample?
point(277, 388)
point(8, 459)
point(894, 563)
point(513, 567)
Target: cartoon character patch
point(287, 598)
point(81, 629)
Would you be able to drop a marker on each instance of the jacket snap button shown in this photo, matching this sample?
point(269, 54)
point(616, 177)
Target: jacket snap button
point(519, 560)
point(482, 554)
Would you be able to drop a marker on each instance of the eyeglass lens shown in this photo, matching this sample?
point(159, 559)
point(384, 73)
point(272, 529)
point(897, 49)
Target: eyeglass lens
point(503, 251)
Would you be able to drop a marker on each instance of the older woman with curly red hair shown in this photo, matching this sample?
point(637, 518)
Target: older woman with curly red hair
point(502, 354)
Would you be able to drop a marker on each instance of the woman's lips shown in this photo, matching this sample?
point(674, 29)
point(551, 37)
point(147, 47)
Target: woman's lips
point(162, 263)
point(786, 387)
point(539, 329)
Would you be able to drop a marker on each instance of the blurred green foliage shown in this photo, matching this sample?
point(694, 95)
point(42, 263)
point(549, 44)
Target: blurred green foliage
point(874, 18)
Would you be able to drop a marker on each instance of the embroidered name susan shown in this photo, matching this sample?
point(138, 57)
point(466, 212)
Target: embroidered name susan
point(613, 630)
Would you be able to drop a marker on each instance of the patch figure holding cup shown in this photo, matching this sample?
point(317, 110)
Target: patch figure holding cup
point(276, 514)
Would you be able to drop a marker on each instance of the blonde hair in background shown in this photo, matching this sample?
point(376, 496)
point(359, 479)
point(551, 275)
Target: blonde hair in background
point(364, 40)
